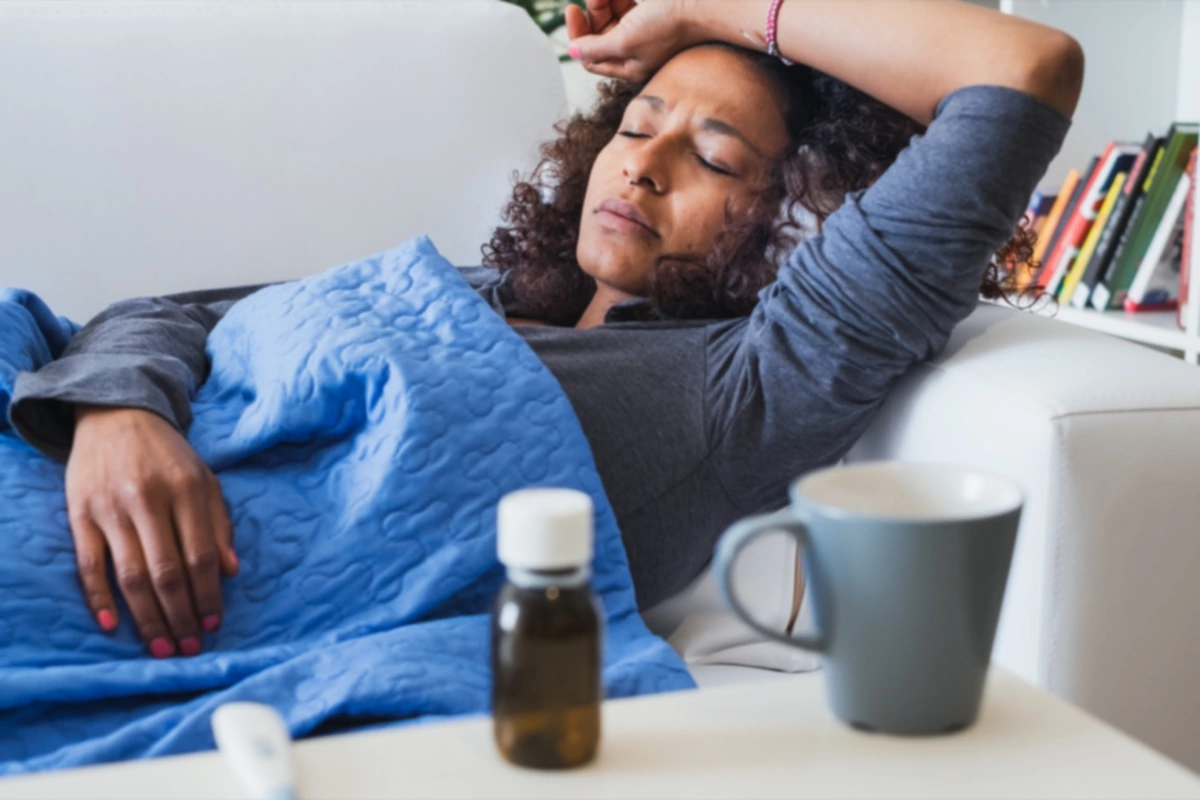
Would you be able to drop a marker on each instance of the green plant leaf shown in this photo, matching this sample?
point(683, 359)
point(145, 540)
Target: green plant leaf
point(550, 15)
point(554, 23)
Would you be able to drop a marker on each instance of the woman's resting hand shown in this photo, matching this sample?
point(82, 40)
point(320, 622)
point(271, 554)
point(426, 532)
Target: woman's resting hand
point(136, 488)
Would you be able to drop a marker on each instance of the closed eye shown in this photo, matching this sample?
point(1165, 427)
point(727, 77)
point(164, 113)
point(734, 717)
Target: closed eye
point(703, 161)
point(707, 164)
point(713, 167)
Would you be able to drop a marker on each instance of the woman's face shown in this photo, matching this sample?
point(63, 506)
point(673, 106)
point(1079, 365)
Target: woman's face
point(700, 137)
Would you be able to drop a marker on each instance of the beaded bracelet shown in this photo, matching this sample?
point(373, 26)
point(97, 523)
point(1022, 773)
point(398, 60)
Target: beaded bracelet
point(772, 26)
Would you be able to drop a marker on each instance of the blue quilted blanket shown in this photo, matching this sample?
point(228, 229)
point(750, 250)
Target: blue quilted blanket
point(363, 423)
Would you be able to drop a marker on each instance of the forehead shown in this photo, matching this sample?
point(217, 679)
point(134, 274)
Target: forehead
point(714, 82)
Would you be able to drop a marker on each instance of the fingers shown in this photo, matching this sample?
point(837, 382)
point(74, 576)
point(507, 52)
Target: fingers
point(172, 591)
point(222, 528)
point(622, 69)
point(600, 13)
point(91, 556)
point(133, 576)
point(598, 48)
point(577, 22)
point(168, 574)
point(198, 542)
point(622, 7)
point(135, 487)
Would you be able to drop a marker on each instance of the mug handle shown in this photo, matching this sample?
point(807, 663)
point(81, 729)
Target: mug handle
point(730, 545)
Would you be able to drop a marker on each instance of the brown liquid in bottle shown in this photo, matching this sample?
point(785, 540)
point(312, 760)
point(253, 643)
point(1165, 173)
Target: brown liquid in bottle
point(546, 689)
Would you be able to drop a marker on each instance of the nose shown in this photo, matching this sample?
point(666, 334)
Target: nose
point(645, 165)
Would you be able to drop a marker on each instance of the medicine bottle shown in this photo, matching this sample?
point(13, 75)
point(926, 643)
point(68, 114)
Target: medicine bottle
point(546, 630)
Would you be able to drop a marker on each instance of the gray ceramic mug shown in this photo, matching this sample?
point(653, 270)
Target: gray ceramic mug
point(906, 565)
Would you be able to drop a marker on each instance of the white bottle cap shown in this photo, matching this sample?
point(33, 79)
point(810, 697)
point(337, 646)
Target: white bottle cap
point(545, 529)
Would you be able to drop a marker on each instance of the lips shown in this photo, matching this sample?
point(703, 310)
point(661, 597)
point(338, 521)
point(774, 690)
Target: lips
point(627, 211)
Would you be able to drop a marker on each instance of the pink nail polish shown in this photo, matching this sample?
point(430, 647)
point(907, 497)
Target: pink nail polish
point(573, 51)
point(107, 620)
point(161, 648)
point(211, 623)
point(237, 565)
point(189, 645)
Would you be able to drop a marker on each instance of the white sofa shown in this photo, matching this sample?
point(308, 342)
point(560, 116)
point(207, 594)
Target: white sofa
point(149, 147)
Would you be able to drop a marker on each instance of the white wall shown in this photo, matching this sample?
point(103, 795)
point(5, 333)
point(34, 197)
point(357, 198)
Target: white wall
point(1132, 81)
point(581, 86)
point(1188, 103)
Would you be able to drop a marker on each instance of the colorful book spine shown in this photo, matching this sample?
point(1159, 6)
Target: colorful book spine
point(1071, 282)
point(1055, 215)
point(1189, 245)
point(1050, 275)
point(1116, 157)
point(1102, 296)
point(1144, 225)
point(1035, 217)
point(1046, 271)
point(1093, 273)
point(1040, 206)
point(1156, 285)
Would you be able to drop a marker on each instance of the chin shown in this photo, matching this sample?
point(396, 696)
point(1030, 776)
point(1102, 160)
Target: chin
point(622, 268)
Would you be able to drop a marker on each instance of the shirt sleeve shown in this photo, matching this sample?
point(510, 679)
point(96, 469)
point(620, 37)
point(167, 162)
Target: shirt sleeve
point(147, 353)
point(880, 289)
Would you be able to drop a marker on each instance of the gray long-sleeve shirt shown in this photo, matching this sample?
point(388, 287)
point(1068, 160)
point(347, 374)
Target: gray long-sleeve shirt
point(693, 423)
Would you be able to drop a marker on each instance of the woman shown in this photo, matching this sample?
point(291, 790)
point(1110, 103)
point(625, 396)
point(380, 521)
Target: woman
point(648, 266)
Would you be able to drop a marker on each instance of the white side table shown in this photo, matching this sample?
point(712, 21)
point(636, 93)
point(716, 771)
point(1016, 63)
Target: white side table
point(764, 739)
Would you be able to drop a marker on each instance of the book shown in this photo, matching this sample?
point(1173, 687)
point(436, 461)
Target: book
point(1116, 157)
point(1039, 206)
point(1156, 285)
point(1065, 192)
point(1085, 178)
point(1144, 224)
point(1034, 218)
point(1038, 222)
point(1044, 272)
point(1101, 295)
point(1191, 253)
point(1101, 257)
point(1071, 282)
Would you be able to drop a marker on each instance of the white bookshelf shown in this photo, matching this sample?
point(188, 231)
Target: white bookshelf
point(1154, 328)
point(1143, 73)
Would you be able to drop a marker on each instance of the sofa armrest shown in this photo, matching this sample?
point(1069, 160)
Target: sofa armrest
point(1104, 436)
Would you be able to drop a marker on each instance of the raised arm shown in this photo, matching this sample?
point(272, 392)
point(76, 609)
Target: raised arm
point(909, 54)
point(882, 287)
point(899, 264)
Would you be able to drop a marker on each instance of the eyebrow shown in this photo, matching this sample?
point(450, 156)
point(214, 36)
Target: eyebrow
point(709, 124)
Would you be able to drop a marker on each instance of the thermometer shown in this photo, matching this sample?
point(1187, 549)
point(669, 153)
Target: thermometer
point(257, 745)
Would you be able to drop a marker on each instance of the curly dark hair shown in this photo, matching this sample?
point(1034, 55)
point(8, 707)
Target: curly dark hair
point(842, 141)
